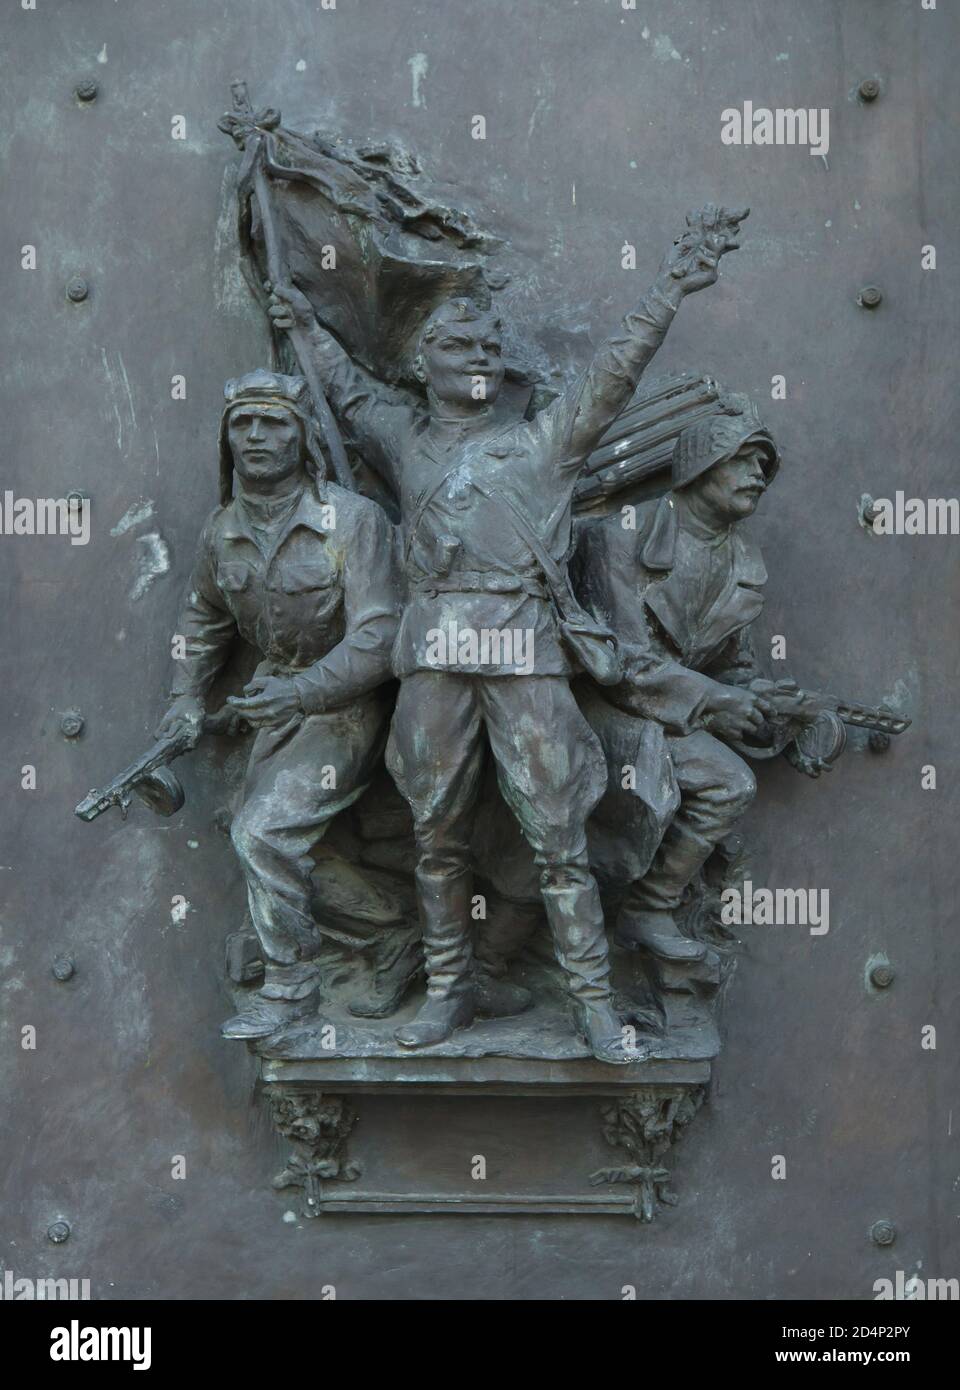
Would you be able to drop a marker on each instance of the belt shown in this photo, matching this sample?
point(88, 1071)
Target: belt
point(267, 666)
point(480, 582)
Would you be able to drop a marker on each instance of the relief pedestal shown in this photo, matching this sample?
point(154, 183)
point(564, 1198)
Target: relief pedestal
point(559, 1132)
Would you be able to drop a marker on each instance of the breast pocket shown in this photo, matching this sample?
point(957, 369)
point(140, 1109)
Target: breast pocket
point(233, 578)
point(298, 578)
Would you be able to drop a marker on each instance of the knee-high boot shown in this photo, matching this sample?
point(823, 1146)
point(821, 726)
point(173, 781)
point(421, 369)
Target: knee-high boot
point(646, 913)
point(448, 947)
point(575, 914)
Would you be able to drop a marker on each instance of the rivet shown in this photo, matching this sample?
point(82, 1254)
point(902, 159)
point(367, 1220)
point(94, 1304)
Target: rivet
point(878, 741)
point(64, 968)
point(71, 723)
point(869, 89)
point(87, 90)
point(869, 297)
point(882, 976)
point(869, 511)
point(77, 289)
point(883, 1233)
point(59, 1231)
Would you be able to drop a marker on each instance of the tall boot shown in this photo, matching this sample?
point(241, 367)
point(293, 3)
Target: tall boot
point(447, 943)
point(646, 918)
point(575, 914)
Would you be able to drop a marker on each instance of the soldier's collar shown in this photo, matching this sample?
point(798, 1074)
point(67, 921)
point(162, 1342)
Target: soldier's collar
point(265, 510)
point(235, 524)
point(661, 543)
point(467, 422)
point(696, 527)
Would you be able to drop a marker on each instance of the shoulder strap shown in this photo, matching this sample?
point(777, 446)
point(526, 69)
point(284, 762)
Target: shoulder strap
point(557, 580)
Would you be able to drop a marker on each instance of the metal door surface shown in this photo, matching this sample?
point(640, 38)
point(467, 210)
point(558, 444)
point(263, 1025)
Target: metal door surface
point(127, 1119)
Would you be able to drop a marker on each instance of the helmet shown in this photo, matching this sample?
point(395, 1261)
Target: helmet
point(716, 439)
point(269, 389)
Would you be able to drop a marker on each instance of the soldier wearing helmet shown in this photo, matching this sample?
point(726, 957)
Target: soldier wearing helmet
point(680, 585)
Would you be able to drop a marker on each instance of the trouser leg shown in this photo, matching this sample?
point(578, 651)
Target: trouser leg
point(299, 777)
point(435, 754)
point(552, 773)
point(716, 787)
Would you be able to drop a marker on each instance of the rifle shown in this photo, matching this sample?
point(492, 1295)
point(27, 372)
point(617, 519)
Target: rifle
point(150, 776)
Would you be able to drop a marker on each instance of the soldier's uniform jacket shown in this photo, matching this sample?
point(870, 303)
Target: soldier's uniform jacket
point(680, 601)
point(317, 600)
point(463, 560)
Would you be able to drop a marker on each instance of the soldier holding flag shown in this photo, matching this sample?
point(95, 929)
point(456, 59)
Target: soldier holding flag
point(486, 515)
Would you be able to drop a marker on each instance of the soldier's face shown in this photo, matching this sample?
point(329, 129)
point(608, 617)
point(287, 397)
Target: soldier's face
point(267, 444)
point(463, 365)
point(731, 490)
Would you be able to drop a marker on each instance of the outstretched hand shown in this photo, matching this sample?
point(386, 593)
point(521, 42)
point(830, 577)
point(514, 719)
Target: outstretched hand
point(694, 259)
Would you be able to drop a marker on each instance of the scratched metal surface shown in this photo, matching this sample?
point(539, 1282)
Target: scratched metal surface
point(603, 126)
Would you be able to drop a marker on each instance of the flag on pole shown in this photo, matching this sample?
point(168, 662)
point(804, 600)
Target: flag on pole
point(372, 253)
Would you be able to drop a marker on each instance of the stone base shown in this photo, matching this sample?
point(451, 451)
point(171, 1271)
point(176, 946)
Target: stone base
point(397, 1135)
point(511, 1115)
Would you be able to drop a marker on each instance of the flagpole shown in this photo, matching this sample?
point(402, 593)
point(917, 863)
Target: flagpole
point(277, 273)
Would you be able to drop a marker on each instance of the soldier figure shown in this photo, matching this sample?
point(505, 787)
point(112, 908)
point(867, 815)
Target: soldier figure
point(303, 570)
point(680, 589)
point(486, 516)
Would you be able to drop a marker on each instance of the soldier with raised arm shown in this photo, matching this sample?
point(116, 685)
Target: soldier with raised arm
point(486, 518)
